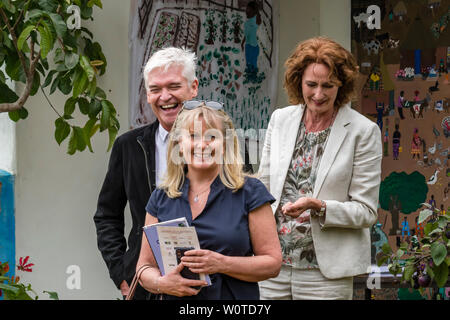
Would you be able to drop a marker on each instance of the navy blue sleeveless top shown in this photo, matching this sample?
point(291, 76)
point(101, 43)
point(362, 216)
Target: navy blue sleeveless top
point(222, 227)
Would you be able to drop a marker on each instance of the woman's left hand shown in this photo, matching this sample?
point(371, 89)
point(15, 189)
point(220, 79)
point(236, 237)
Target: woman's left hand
point(203, 261)
point(298, 208)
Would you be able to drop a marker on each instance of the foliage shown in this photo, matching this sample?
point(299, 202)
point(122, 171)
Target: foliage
point(422, 262)
point(12, 289)
point(42, 44)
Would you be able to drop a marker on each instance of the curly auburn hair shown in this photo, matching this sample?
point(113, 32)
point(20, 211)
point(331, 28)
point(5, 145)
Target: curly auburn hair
point(342, 65)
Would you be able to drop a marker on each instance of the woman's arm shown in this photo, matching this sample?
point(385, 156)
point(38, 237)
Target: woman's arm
point(172, 283)
point(265, 263)
point(363, 192)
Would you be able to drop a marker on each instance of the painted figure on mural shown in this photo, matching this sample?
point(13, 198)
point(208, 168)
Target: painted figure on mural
point(386, 142)
point(419, 228)
point(250, 40)
point(380, 113)
point(415, 144)
point(405, 228)
point(396, 142)
point(401, 104)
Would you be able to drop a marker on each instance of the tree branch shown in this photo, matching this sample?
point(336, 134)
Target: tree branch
point(29, 72)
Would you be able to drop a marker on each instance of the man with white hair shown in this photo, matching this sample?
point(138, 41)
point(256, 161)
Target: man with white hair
point(138, 163)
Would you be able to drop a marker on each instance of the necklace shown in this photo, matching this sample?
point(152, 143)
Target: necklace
point(196, 197)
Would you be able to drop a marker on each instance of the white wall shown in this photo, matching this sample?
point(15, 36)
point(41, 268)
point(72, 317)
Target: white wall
point(7, 139)
point(56, 194)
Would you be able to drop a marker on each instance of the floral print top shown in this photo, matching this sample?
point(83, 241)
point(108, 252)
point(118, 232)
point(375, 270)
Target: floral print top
point(295, 237)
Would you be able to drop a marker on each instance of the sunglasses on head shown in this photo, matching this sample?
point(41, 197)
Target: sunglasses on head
point(193, 104)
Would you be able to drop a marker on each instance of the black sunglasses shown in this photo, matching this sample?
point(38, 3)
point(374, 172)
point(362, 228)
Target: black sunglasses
point(193, 104)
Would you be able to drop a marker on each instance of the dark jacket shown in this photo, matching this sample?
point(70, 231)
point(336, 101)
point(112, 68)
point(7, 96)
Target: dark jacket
point(130, 177)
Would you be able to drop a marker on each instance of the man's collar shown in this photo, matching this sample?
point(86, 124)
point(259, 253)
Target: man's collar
point(163, 133)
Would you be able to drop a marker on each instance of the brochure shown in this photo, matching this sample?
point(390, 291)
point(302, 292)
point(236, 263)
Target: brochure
point(169, 240)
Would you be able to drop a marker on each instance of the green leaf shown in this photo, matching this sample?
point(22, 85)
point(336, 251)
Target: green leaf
point(112, 136)
point(59, 24)
point(8, 6)
point(36, 84)
point(7, 287)
point(400, 253)
point(71, 60)
point(69, 106)
point(23, 113)
point(54, 85)
point(83, 104)
point(14, 115)
point(80, 137)
point(89, 132)
point(65, 85)
point(48, 5)
point(386, 248)
point(35, 13)
point(442, 222)
point(429, 227)
point(62, 130)
point(52, 295)
point(409, 271)
point(93, 87)
point(24, 36)
point(105, 116)
point(94, 108)
point(72, 146)
point(424, 214)
point(80, 82)
point(6, 94)
point(59, 56)
point(86, 65)
point(98, 3)
point(99, 93)
point(49, 78)
point(441, 274)
point(46, 41)
point(382, 260)
point(438, 253)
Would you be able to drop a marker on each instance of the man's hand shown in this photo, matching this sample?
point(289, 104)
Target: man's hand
point(124, 288)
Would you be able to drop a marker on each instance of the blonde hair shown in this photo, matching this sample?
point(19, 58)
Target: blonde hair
point(231, 169)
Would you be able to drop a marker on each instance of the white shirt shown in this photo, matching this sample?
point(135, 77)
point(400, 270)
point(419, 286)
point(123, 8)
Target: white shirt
point(161, 141)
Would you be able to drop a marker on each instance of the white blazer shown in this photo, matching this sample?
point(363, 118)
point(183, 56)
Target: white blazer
point(348, 180)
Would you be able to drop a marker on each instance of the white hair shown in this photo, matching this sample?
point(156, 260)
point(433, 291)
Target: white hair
point(171, 56)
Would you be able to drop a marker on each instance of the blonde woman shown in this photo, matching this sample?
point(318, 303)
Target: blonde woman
point(230, 211)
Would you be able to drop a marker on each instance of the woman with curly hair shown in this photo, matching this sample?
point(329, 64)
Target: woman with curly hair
point(322, 162)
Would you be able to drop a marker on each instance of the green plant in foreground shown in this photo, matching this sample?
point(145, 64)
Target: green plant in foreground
point(422, 262)
point(12, 289)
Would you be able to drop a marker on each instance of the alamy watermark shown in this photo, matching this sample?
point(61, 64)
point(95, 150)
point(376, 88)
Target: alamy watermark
point(74, 21)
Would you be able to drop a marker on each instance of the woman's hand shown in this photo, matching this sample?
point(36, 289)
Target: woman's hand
point(204, 261)
point(299, 207)
point(174, 284)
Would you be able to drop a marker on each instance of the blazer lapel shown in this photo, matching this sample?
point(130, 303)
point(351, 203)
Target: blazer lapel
point(335, 140)
point(287, 136)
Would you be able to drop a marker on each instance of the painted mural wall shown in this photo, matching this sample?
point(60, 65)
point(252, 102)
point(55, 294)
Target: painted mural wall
point(404, 87)
point(236, 49)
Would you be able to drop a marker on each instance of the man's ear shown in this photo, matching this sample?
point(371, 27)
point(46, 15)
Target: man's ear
point(194, 87)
